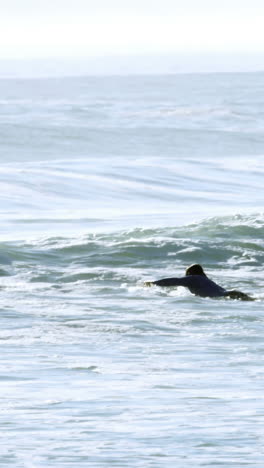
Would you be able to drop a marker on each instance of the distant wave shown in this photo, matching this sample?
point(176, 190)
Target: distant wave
point(189, 112)
point(86, 191)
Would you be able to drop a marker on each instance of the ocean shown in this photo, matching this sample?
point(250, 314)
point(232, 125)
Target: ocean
point(107, 182)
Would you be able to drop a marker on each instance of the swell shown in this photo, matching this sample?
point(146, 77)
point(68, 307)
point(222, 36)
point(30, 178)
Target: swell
point(71, 140)
point(215, 241)
point(86, 189)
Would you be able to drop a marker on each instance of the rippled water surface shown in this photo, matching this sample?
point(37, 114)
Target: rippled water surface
point(107, 183)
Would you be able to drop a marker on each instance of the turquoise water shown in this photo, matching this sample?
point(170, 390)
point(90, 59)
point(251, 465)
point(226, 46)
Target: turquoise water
point(107, 183)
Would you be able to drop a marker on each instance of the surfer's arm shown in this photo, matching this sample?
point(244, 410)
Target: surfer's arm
point(169, 282)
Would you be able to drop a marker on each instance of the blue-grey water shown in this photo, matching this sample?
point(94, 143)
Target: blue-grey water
point(107, 182)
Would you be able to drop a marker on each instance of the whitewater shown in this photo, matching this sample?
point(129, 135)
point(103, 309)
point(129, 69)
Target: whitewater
point(108, 182)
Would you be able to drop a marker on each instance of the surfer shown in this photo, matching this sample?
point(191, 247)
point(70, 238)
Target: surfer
point(199, 284)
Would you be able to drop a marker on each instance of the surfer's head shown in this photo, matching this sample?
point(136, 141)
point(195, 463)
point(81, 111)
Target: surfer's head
point(195, 269)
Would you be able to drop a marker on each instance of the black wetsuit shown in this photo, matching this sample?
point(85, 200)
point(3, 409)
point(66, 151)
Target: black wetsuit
point(202, 286)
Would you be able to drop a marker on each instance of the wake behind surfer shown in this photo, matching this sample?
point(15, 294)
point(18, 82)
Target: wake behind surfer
point(199, 284)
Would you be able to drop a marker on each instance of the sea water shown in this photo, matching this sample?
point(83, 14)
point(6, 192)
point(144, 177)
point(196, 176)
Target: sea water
point(107, 182)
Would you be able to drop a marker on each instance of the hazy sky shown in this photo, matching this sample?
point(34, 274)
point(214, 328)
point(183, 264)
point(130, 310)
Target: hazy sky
point(90, 28)
point(66, 28)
